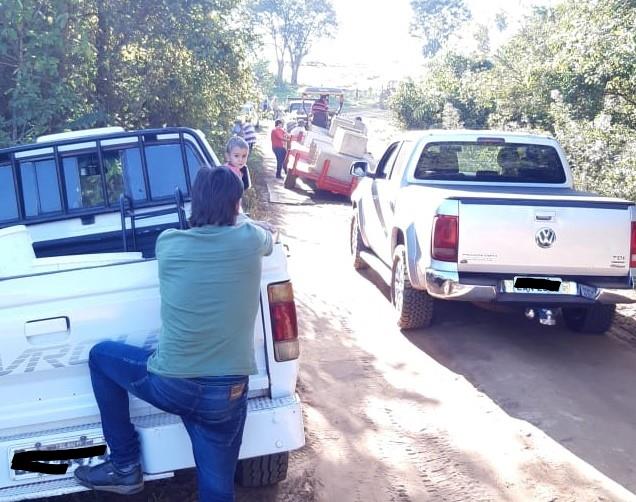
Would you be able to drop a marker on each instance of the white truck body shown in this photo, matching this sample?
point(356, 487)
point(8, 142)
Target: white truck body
point(499, 220)
point(54, 309)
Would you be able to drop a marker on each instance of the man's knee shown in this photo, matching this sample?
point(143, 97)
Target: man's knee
point(98, 350)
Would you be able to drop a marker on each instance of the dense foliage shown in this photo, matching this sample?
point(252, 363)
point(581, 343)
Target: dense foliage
point(570, 71)
point(71, 64)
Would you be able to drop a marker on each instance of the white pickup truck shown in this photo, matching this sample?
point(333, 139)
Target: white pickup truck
point(486, 216)
point(54, 308)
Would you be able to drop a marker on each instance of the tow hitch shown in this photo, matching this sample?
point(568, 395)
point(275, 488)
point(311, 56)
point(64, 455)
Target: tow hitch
point(546, 316)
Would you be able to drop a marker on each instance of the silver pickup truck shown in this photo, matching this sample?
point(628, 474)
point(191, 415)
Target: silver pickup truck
point(486, 216)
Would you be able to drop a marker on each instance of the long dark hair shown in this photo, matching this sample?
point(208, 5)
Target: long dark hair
point(216, 193)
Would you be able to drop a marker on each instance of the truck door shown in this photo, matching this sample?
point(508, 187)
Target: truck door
point(382, 194)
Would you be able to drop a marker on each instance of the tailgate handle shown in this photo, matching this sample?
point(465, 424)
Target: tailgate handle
point(47, 331)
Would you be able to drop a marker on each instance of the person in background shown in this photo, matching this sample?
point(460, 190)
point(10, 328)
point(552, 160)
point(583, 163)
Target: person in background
point(320, 112)
point(209, 282)
point(279, 146)
point(236, 152)
point(237, 129)
point(275, 107)
point(361, 126)
point(249, 133)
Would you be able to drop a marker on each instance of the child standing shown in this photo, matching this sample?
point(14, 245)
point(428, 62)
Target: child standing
point(236, 152)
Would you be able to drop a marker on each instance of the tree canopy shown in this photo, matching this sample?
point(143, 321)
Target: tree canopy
point(293, 27)
point(570, 70)
point(134, 63)
point(436, 20)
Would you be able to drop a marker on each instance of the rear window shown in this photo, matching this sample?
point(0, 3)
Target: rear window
point(8, 202)
point(298, 107)
point(488, 162)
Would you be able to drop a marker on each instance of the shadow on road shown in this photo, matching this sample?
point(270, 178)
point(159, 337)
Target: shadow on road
point(577, 388)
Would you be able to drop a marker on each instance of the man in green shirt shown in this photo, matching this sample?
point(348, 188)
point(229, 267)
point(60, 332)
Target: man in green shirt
point(209, 279)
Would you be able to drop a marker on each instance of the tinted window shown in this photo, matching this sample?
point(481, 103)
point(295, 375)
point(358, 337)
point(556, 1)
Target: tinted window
point(387, 160)
point(487, 162)
point(195, 162)
point(298, 107)
point(40, 187)
point(400, 161)
point(124, 173)
point(165, 170)
point(83, 181)
point(8, 200)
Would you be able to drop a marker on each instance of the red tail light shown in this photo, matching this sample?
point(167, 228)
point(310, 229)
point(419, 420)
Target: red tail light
point(282, 312)
point(632, 250)
point(445, 238)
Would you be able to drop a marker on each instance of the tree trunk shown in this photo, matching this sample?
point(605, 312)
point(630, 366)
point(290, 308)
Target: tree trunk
point(280, 63)
point(102, 84)
point(295, 65)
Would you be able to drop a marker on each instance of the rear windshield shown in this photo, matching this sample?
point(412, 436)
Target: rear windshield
point(298, 107)
point(488, 162)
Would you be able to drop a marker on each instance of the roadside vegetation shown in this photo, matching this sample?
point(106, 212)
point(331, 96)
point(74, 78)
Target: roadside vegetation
point(72, 64)
point(569, 71)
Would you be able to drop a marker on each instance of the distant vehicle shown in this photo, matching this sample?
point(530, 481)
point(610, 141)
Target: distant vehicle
point(297, 109)
point(250, 111)
point(487, 216)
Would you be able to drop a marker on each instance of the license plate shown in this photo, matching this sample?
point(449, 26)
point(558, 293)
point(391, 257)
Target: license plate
point(539, 286)
point(64, 443)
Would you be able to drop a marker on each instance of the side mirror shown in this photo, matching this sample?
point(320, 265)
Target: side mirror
point(359, 168)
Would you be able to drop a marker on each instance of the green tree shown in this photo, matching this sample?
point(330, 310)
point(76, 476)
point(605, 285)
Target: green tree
point(40, 51)
point(436, 20)
point(293, 27)
point(135, 63)
point(312, 20)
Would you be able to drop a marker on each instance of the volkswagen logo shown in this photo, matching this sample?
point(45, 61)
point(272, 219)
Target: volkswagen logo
point(545, 237)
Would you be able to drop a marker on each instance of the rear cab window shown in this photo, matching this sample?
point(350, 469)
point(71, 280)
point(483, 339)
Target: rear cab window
point(89, 175)
point(490, 162)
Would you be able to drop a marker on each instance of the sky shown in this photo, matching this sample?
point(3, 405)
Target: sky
point(373, 44)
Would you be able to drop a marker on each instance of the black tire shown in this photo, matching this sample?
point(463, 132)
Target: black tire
point(262, 471)
point(356, 244)
point(594, 320)
point(290, 180)
point(414, 308)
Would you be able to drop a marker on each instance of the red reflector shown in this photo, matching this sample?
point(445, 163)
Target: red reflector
point(445, 237)
point(632, 250)
point(284, 325)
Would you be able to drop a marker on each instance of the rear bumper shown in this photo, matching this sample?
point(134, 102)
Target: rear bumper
point(447, 285)
point(272, 426)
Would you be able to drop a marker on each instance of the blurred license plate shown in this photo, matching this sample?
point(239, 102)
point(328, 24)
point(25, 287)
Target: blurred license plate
point(66, 443)
point(539, 286)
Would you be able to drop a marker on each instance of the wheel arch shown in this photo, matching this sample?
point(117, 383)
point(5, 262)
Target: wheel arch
point(408, 238)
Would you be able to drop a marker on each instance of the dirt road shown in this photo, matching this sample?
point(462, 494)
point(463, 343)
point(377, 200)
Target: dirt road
point(484, 406)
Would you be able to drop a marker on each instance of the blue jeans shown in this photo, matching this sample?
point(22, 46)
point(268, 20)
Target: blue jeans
point(280, 153)
point(213, 410)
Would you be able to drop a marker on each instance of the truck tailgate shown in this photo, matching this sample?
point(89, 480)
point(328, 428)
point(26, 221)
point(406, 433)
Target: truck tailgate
point(49, 322)
point(544, 237)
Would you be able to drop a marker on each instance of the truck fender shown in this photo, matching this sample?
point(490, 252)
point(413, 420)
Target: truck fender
point(357, 208)
point(408, 237)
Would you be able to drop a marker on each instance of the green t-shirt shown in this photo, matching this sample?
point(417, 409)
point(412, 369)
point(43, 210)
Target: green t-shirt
point(209, 278)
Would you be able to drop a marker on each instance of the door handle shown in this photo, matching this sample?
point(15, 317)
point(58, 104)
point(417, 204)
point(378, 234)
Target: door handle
point(47, 331)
